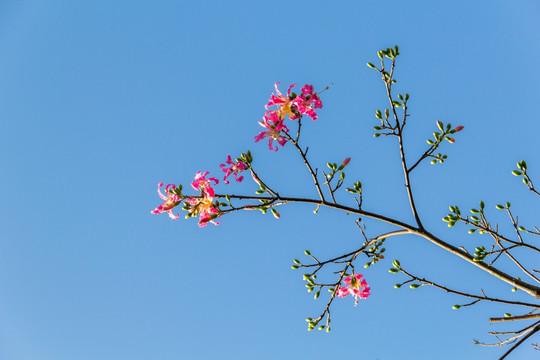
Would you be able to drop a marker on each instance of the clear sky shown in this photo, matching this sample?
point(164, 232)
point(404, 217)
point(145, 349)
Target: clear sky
point(101, 100)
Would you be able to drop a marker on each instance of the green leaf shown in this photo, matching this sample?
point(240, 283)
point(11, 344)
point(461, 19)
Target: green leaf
point(499, 207)
point(371, 65)
point(396, 264)
point(393, 270)
point(294, 267)
point(517, 173)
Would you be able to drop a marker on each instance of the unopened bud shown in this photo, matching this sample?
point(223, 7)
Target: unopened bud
point(459, 128)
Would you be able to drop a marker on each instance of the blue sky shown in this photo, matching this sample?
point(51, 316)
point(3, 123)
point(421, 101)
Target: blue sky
point(101, 100)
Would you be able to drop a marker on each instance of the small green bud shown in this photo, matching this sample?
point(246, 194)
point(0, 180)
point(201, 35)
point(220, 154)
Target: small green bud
point(455, 307)
point(522, 228)
point(307, 252)
point(296, 261)
point(393, 270)
point(294, 267)
point(328, 329)
point(499, 207)
point(320, 327)
point(514, 289)
point(376, 135)
point(516, 173)
point(397, 286)
point(371, 65)
point(316, 296)
point(507, 315)
point(440, 125)
point(414, 286)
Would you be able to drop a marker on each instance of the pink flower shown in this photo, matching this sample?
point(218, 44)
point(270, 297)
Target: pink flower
point(204, 209)
point(235, 168)
point(305, 102)
point(357, 287)
point(203, 184)
point(204, 205)
point(171, 200)
point(294, 106)
point(284, 103)
point(274, 125)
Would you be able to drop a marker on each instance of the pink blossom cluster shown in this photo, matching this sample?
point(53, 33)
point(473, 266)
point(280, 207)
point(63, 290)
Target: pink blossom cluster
point(356, 287)
point(203, 205)
point(292, 105)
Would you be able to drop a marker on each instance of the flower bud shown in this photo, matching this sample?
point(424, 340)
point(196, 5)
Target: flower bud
point(459, 128)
